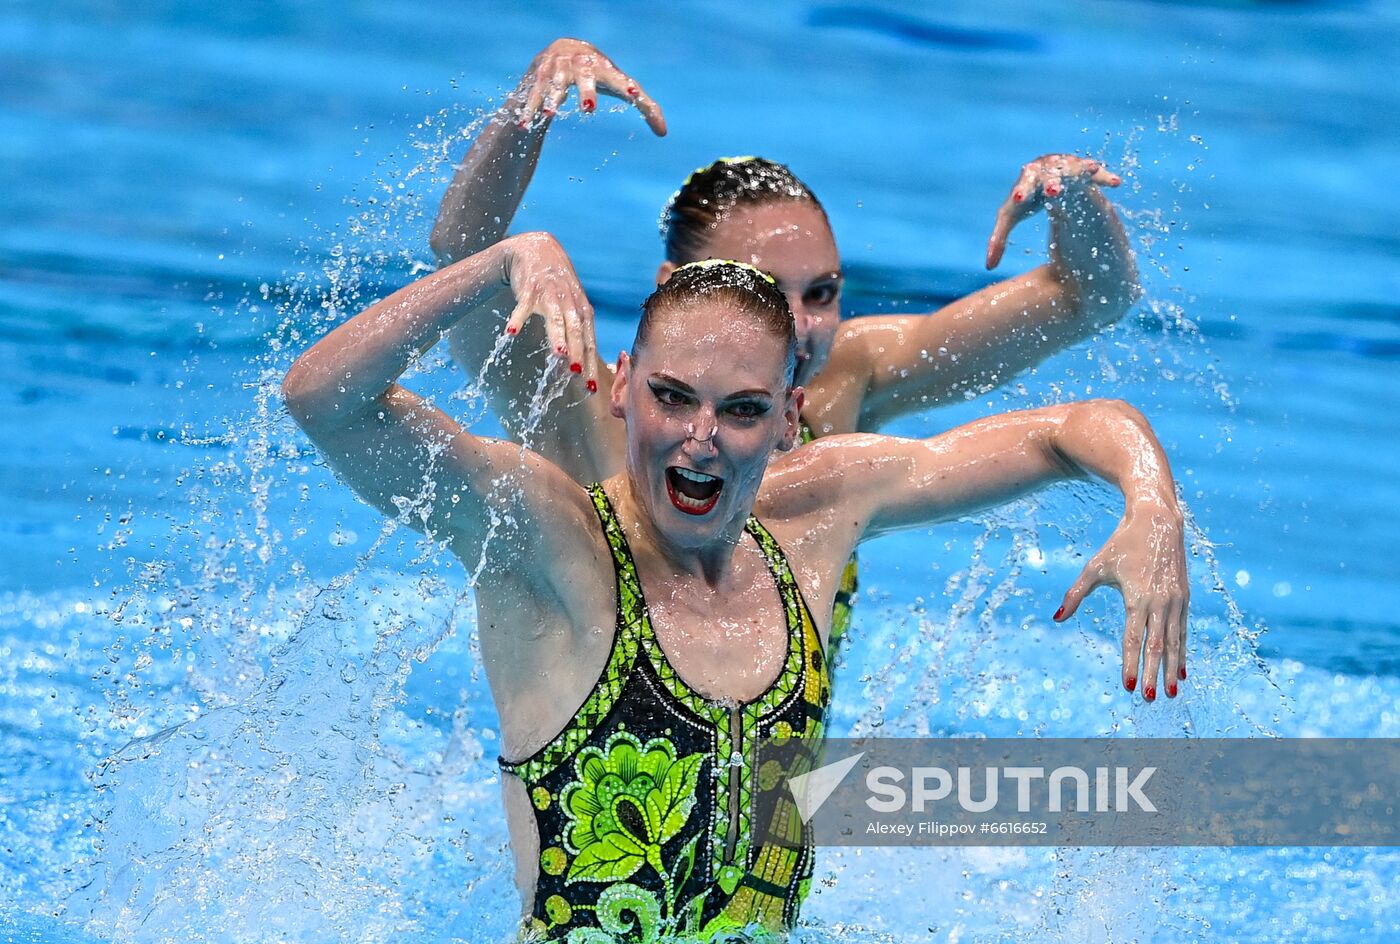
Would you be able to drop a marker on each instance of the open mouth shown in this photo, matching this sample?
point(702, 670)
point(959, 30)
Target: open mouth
point(694, 493)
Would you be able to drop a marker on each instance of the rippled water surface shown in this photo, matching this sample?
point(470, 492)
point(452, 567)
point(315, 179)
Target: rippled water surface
point(234, 705)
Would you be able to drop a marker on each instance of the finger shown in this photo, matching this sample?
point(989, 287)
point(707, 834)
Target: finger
point(1019, 204)
point(590, 342)
point(1152, 653)
point(1013, 211)
point(558, 91)
point(1183, 628)
point(573, 331)
point(613, 81)
point(1132, 649)
point(1052, 185)
point(1103, 176)
point(534, 100)
point(554, 325)
point(1088, 579)
point(524, 305)
point(1171, 648)
point(996, 244)
point(649, 109)
point(587, 91)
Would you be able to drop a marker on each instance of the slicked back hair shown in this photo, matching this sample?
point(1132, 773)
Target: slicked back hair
point(737, 285)
point(709, 195)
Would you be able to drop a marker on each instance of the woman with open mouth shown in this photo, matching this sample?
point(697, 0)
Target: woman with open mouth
point(642, 634)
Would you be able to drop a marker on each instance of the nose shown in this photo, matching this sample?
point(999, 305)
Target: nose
point(700, 435)
point(801, 319)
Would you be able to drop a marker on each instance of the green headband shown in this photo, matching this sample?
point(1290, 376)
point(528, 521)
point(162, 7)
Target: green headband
point(743, 159)
point(710, 263)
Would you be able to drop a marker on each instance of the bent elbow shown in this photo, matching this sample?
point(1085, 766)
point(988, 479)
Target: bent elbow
point(301, 394)
point(444, 243)
point(1108, 409)
point(1103, 300)
point(1110, 307)
point(1128, 293)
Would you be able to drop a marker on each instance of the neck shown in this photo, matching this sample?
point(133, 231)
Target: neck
point(711, 562)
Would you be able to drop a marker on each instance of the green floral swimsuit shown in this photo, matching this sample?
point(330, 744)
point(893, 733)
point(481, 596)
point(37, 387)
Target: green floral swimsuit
point(651, 818)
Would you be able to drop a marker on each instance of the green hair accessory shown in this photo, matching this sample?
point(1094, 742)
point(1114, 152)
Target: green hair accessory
point(742, 159)
point(711, 263)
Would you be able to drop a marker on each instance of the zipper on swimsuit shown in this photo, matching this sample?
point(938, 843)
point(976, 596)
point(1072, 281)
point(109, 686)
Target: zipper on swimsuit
point(736, 761)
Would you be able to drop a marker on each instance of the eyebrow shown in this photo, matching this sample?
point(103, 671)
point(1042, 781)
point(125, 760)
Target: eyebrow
point(684, 387)
point(836, 276)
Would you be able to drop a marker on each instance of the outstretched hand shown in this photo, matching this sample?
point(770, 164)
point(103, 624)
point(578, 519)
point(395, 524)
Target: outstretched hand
point(1145, 558)
point(566, 63)
point(543, 281)
point(1043, 182)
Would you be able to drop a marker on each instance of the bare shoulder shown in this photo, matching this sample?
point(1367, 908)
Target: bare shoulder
point(811, 502)
point(537, 516)
point(810, 480)
point(836, 397)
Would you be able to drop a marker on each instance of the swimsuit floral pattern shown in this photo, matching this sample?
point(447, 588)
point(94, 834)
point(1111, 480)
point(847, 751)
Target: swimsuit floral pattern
point(629, 800)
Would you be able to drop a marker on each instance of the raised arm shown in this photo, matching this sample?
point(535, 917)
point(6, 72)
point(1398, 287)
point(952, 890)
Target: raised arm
point(910, 363)
point(490, 182)
point(885, 484)
point(397, 451)
point(575, 431)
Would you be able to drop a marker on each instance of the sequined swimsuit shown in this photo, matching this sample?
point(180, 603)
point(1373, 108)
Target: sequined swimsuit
point(651, 817)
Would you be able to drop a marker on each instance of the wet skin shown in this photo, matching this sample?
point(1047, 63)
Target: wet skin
point(704, 371)
point(792, 242)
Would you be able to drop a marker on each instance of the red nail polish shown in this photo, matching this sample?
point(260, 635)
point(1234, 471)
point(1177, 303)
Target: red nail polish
point(1149, 693)
point(588, 104)
point(561, 350)
point(524, 125)
point(592, 386)
point(1018, 196)
point(632, 90)
point(1115, 180)
point(1131, 683)
point(1059, 614)
point(1182, 673)
point(1171, 689)
point(1052, 191)
point(576, 368)
point(512, 329)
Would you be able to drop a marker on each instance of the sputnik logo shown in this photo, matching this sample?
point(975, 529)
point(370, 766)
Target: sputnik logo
point(812, 789)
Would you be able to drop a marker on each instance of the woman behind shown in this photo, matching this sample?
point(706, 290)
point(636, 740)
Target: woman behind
point(642, 634)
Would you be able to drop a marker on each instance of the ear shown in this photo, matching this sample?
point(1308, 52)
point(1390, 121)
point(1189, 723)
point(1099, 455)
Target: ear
point(618, 395)
point(663, 271)
point(792, 413)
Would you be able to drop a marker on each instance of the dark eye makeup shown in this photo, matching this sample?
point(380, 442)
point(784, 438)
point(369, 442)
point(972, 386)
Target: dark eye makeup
point(823, 293)
point(745, 406)
point(668, 395)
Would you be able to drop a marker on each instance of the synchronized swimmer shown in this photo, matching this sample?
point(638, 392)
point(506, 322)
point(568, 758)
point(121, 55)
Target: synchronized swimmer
point(665, 573)
point(642, 634)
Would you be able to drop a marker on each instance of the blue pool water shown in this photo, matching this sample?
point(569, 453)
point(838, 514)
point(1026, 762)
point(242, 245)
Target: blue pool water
point(235, 707)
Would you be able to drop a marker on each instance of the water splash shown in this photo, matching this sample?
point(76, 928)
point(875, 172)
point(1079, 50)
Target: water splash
point(299, 755)
point(280, 775)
